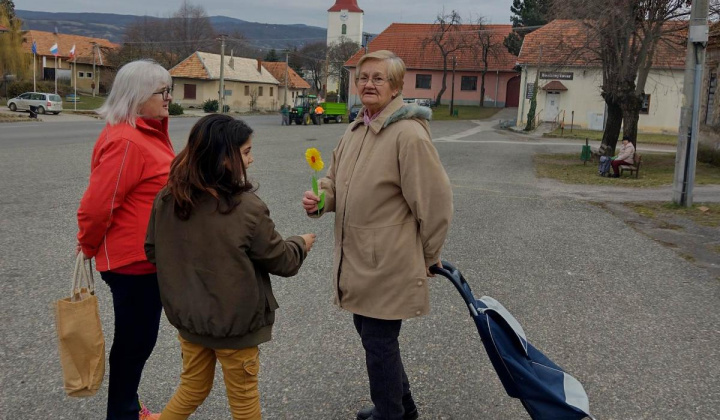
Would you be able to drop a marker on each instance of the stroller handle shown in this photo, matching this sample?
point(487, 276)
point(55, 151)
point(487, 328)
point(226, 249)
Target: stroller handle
point(450, 272)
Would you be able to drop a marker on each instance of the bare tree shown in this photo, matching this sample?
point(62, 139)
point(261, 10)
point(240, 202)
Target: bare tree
point(487, 45)
point(313, 56)
point(625, 35)
point(448, 37)
point(144, 38)
point(13, 60)
point(190, 30)
point(338, 53)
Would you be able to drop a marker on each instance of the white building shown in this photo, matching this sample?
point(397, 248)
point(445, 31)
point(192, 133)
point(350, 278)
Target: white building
point(570, 81)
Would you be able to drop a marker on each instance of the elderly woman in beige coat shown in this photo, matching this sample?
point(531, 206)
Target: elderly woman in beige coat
point(393, 205)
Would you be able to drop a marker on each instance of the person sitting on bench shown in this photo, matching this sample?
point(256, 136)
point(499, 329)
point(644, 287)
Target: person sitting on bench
point(624, 157)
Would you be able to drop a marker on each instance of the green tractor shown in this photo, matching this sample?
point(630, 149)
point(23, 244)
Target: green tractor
point(302, 108)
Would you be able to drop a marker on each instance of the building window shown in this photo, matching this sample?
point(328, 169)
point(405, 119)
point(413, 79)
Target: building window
point(260, 89)
point(344, 29)
point(423, 81)
point(189, 91)
point(89, 75)
point(645, 106)
point(271, 91)
point(228, 92)
point(468, 83)
point(81, 74)
point(247, 90)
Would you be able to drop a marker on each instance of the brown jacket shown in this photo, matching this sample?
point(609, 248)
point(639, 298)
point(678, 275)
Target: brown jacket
point(213, 269)
point(393, 205)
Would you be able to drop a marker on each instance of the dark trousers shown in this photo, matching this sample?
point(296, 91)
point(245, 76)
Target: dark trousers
point(137, 307)
point(616, 165)
point(389, 386)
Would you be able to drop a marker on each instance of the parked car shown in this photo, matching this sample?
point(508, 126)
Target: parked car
point(44, 102)
point(419, 101)
point(353, 112)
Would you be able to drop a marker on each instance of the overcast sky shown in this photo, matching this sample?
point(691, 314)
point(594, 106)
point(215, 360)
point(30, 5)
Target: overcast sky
point(378, 13)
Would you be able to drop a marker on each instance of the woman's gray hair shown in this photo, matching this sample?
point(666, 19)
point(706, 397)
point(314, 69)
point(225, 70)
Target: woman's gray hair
point(395, 67)
point(134, 84)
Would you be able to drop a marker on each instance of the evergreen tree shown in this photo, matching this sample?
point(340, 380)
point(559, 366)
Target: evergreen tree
point(525, 13)
point(13, 58)
point(9, 8)
point(272, 56)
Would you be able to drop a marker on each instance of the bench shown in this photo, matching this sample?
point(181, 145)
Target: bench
point(635, 167)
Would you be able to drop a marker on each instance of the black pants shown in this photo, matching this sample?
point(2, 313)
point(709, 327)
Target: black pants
point(137, 307)
point(389, 386)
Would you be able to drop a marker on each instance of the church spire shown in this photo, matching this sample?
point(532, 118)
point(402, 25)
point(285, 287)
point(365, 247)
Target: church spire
point(349, 5)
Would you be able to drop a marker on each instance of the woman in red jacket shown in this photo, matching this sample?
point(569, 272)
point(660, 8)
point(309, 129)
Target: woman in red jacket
point(130, 164)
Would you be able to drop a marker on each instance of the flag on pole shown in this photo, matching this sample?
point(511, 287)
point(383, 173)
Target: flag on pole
point(34, 47)
point(54, 49)
point(72, 52)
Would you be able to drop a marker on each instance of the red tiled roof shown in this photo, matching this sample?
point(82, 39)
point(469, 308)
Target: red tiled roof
point(554, 85)
point(571, 43)
point(83, 46)
point(191, 67)
point(349, 5)
point(278, 72)
point(406, 41)
point(3, 29)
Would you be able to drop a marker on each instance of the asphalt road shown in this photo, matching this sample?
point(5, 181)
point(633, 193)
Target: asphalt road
point(634, 322)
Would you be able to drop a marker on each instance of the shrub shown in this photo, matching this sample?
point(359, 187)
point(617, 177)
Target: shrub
point(20, 87)
point(175, 109)
point(211, 105)
point(708, 154)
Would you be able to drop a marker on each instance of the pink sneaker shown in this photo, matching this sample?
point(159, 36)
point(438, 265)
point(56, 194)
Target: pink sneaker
point(145, 414)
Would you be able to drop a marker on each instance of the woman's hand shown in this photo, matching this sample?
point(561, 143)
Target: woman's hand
point(310, 202)
point(78, 249)
point(427, 270)
point(309, 239)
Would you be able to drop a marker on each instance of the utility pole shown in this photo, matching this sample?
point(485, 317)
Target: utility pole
point(94, 48)
point(287, 61)
point(452, 89)
point(221, 92)
point(366, 36)
point(686, 155)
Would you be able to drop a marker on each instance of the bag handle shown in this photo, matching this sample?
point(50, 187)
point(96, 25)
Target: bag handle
point(82, 276)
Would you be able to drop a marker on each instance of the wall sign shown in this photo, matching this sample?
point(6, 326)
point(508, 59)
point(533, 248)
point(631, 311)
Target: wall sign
point(529, 90)
point(556, 75)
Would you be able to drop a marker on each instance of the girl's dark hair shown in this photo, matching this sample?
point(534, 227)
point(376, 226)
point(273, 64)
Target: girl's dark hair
point(211, 163)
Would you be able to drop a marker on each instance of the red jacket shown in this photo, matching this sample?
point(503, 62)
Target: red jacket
point(129, 167)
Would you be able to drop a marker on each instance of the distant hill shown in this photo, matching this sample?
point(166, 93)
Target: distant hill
point(112, 26)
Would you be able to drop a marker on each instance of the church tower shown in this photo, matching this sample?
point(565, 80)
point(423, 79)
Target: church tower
point(345, 18)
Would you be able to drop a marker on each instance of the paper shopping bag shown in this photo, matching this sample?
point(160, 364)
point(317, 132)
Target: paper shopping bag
point(80, 336)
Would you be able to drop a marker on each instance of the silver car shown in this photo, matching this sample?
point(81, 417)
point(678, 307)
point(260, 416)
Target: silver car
point(44, 102)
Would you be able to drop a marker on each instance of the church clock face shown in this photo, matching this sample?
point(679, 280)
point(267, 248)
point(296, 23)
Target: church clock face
point(344, 15)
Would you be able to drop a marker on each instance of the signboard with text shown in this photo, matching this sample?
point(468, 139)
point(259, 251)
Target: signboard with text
point(529, 90)
point(559, 75)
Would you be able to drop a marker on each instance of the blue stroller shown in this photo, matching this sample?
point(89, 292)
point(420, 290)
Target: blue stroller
point(604, 167)
point(543, 388)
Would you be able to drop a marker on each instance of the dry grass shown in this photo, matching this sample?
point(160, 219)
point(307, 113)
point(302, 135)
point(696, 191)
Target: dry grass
point(642, 138)
point(656, 170)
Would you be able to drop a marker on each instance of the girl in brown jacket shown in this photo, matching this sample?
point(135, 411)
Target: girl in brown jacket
point(393, 204)
point(215, 245)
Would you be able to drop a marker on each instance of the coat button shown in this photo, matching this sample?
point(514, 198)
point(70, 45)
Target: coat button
point(417, 312)
point(419, 282)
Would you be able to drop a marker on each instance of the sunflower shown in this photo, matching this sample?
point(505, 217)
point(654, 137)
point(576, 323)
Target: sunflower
point(314, 159)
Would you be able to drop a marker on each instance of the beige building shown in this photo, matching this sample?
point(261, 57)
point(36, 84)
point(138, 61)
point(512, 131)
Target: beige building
point(87, 51)
point(286, 75)
point(569, 83)
point(248, 85)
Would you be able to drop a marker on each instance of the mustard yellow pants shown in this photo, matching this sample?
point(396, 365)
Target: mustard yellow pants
point(240, 371)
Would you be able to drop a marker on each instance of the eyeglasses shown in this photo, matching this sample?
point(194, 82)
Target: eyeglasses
point(377, 81)
point(165, 93)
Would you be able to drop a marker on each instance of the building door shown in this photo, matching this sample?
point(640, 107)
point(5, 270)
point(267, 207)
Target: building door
point(552, 105)
point(512, 93)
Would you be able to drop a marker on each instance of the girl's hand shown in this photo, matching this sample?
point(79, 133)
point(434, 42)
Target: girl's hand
point(309, 240)
point(310, 202)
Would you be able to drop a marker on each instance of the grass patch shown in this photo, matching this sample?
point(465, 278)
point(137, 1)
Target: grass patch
point(657, 169)
point(16, 117)
point(465, 112)
point(642, 138)
point(86, 103)
point(716, 248)
point(643, 210)
point(711, 217)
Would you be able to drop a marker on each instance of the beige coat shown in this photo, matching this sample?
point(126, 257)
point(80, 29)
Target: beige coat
point(393, 205)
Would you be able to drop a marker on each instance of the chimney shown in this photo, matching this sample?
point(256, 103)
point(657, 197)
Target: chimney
point(259, 65)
